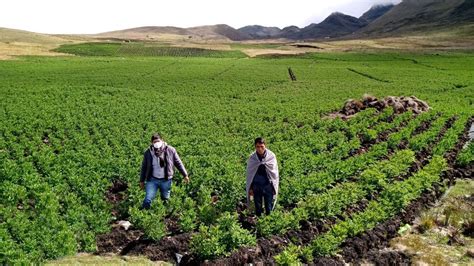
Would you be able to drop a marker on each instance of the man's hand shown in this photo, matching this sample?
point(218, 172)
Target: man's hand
point(186, 179)
point(251, 192)
point(142, 185)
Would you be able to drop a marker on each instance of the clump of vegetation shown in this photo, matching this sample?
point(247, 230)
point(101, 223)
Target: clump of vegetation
point(466, 156)
point(427, 221)
point(150, 221)
point(221, 239)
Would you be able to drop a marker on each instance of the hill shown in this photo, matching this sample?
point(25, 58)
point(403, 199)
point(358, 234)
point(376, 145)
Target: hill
point(336, 25)
point(19, 42)
point(260, 32)
point(12, 35)
point(379, 21)
point(375, 12)
point(421, 15)
point(220, 32)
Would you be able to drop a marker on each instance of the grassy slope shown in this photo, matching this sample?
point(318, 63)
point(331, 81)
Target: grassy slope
point(18, 42)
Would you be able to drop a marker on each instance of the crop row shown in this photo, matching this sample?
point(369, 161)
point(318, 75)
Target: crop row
point(393, 199)
point(344, 194)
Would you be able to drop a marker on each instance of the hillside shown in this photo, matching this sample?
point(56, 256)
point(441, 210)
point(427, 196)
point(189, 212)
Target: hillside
point(13, 35)
point(219, 31)
point(212, 32)
point(19, 42)
point(379, 21)
point(421, 15)
point(260, 32)
point(336, 25)
point(375, 12)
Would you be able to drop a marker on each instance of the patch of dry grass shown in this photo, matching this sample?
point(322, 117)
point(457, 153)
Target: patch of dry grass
point(15, 43)
point(88, 259)
point(12, 50)
point(436, 237)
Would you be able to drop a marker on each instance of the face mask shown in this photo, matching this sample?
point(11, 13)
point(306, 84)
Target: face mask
point(158, 144)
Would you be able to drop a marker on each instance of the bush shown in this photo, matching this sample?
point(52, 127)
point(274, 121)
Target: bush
point(151, 221)
point(188, 217)
point(290, 256)
point(222, 238)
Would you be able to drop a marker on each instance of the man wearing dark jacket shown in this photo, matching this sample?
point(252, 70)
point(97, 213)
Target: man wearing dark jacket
point(157, 170)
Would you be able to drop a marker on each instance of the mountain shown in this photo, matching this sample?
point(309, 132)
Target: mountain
point(260, 32)
point(420, 15)
point(290, 31)
point(380, 20)
point(336, 25)
point(219, 31)
point(375, 12)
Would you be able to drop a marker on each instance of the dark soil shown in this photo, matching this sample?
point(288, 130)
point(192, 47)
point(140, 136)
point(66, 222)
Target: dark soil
point(114, 194)
point(116, 240)
point(367, 246)
point(164, 250)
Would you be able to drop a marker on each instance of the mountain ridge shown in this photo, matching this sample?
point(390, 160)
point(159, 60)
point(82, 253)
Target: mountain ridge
point(379, 21)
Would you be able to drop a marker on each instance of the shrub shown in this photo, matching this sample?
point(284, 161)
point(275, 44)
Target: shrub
point(222, 238)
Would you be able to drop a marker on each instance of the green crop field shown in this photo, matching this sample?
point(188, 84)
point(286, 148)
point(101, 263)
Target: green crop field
point(72, 127)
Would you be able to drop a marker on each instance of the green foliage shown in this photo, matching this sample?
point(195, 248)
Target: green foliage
point(289, 256)
point(279, 222)
point(392, 200)
point(87, 119)
point(151, 221)
point(466, 156)
point(188, 217)
point(90, 49)
point(221, 239)
point(369, 135)
point(145, 50)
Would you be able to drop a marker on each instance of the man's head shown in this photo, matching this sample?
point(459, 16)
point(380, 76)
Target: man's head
point(156, 141)
point(260, 146)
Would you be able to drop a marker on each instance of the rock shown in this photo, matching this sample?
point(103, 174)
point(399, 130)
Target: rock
point(398, 108)
point(178, 257)
point(367, 98)
point(352, 106)
point(124, 224)
point(399, 104)
point(470, 252)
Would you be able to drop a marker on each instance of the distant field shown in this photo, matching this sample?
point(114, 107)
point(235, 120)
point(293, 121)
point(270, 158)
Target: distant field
point(141, 49)
point(73, 126)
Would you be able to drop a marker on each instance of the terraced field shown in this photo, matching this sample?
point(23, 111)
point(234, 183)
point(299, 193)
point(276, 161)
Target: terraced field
point(74, 129)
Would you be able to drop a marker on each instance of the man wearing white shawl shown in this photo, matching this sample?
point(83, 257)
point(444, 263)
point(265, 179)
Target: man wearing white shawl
point(262, 177)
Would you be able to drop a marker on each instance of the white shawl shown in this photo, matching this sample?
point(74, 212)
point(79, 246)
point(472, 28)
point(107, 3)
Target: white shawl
point(271, 166)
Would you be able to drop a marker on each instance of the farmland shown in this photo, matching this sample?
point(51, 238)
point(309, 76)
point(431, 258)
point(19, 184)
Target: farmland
point(74, 129)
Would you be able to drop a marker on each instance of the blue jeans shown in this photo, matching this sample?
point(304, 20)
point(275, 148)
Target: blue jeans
point(263, 193)
point(152, 186)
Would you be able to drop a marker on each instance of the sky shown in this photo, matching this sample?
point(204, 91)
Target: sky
point(96, 16)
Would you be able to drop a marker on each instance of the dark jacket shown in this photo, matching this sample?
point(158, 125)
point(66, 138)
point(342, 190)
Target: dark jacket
point(171, 160)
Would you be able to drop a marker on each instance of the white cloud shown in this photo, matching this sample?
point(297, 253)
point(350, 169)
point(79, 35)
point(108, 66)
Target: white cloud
point(93, 16)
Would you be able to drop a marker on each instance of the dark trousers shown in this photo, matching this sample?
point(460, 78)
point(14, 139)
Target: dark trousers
point(263, 193)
